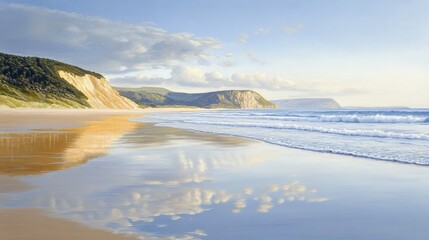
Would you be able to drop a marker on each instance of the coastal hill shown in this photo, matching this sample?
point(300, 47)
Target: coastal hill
point(33, 82)
point(307, 103)
point(152, 96)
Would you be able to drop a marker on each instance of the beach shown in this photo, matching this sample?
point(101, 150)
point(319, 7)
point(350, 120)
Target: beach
point(111, 175)
point(214, 120)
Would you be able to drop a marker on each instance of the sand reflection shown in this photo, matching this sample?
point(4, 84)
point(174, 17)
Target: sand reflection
point(40, 152)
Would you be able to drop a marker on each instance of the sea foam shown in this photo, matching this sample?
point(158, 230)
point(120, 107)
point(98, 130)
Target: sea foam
point(400, 136)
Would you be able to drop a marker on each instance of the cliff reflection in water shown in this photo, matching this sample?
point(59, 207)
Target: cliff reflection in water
point(41, 152)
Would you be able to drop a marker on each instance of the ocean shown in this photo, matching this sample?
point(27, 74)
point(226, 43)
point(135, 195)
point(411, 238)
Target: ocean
point(390, 135)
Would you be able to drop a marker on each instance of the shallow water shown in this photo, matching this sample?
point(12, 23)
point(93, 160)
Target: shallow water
point(168, 183)
point(390, 135)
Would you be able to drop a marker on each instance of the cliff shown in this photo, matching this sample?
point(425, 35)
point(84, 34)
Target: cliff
point(307, 103)
point(33, 82)
point(98, 91)
point(219, 99)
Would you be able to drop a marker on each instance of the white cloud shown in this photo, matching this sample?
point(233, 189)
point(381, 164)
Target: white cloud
point(97, 43)
point(205, 59)
point(188, 76)
point(127, 52)
point(196, 77)
point(262, 31)
point(243, 38)
point(228, 55)
point(291, 29)
point(216, 78)
point(226, 63)
point(253, 58)
point(262, 80)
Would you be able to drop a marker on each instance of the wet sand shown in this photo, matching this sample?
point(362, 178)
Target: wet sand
point(10, 185)
point(34, 224)
point(39, 141)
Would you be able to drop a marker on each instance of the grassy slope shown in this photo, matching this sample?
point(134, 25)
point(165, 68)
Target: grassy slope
point(34, 82)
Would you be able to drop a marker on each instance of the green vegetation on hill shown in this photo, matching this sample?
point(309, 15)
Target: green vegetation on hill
point(148, 96)
point(36, 81)
point(160, 97)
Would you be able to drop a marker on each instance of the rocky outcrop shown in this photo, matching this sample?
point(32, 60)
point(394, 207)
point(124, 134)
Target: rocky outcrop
point(307, 103)
point(219, 99)
point(233, 99)
point(99, 93)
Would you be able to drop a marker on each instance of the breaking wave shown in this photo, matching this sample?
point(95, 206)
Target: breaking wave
point(346, 132)
point(400, 136)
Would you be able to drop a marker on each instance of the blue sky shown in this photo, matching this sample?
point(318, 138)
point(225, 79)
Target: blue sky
point(359, 52)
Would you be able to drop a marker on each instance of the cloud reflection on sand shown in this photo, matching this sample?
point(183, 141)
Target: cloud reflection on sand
point(140, 205)
point(123, 208)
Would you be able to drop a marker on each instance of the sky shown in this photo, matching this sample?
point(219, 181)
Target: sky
point(359, 52)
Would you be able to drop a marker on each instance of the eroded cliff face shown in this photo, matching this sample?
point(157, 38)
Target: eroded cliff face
point(99, 92)
point(242, 99)
point(219, 99)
